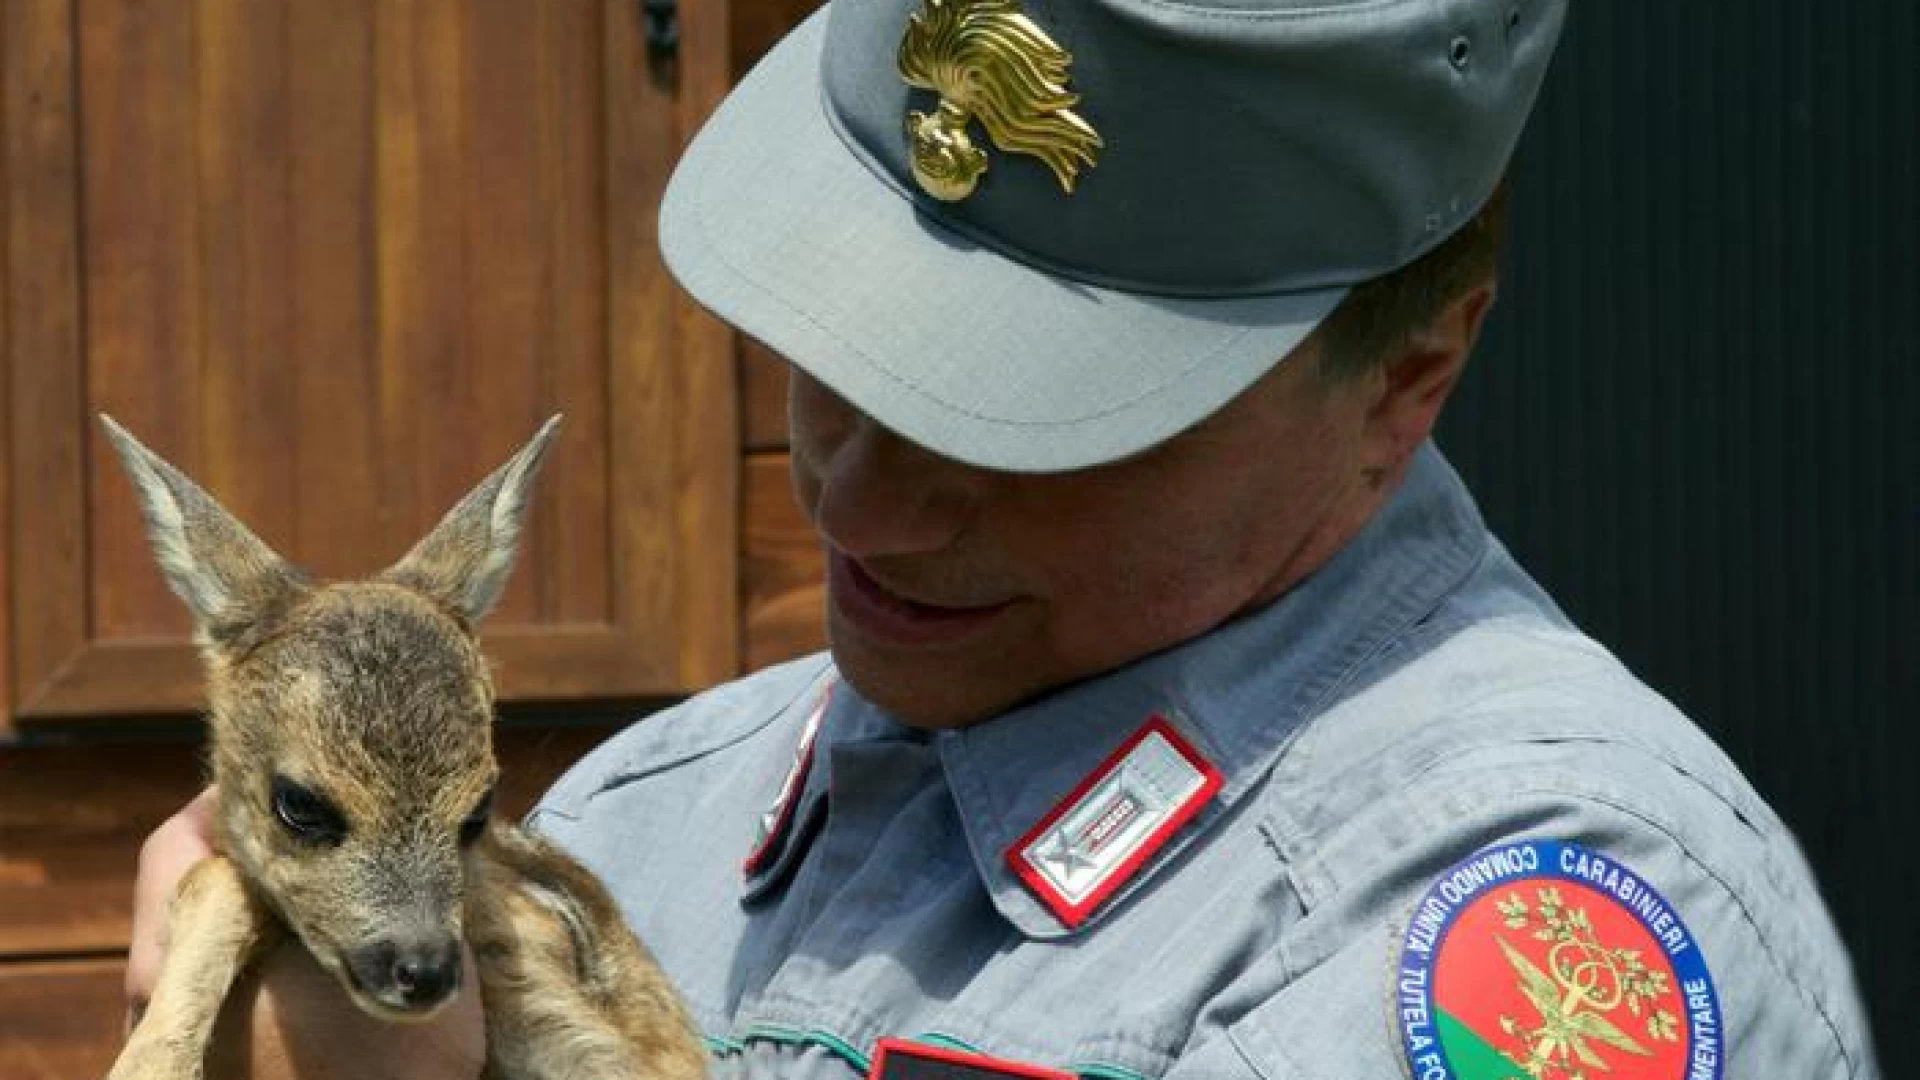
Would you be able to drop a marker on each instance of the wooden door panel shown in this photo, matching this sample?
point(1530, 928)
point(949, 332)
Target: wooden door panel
point(784, 592)
point(60, 1020)
point(44, 447)
point(337, 261)
point(763, 398)
point(72, 820)
point(145, 306)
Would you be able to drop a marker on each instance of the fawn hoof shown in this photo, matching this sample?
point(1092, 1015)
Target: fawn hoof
point(413, 978)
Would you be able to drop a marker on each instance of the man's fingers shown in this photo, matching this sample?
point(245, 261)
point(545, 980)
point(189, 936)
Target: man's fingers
point(168, 853)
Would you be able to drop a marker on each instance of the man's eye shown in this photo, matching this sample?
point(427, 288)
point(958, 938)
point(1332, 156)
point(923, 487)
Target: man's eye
point(476, 821)
point(305, 814)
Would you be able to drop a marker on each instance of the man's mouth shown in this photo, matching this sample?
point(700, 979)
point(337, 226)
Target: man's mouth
point(884, 615)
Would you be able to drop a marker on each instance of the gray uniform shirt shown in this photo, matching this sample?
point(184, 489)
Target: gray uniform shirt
point(1263, 894)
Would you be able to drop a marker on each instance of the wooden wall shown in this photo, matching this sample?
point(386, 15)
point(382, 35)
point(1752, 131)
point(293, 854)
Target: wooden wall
point(335, 261)
point(379, 245)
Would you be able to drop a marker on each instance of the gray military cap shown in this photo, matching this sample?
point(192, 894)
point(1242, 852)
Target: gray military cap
point(1040, 235)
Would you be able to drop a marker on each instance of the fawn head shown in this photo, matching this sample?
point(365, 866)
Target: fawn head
point(350, 723)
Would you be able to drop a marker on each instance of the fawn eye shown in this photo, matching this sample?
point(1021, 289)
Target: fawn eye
point(476, 821)
point(305, 814)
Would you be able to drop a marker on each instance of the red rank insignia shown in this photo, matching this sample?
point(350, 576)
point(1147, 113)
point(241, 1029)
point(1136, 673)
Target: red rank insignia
point(1120, 816)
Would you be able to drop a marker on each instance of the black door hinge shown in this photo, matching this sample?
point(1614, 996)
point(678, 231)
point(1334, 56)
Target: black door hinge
point(661, 19)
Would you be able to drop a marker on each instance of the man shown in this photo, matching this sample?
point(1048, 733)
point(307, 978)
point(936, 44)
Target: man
point(1182, 719)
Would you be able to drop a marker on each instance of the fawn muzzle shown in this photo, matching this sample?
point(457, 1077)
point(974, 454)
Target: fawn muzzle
point(407, 975)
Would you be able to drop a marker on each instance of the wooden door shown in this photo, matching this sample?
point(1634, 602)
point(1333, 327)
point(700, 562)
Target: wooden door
point(336, 259)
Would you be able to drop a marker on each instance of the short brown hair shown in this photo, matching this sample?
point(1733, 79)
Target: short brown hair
point(1380, 314)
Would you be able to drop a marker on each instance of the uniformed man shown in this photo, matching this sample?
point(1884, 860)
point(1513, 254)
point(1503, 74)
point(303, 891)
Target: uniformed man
point(1182, 718)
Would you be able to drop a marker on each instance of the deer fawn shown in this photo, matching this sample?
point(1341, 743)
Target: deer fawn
point(350, 730)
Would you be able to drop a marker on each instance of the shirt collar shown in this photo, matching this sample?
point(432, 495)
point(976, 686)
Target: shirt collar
point(1237, 694)
point(793, 816)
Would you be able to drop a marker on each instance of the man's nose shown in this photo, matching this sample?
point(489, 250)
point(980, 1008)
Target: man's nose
point(882, 495)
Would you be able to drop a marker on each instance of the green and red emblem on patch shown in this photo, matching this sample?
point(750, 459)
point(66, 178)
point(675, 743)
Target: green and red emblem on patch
point(1543, 960)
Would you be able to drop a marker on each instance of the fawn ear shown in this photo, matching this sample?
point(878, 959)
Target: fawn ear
point(463, 563)
point(229, 579)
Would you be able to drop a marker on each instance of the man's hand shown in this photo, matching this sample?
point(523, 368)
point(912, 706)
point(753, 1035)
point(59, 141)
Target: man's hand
point(286, 1017)
point(169, 852)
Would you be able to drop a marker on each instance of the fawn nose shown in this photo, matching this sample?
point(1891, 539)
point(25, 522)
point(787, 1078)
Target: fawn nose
point(425, 976)
point(409, 974)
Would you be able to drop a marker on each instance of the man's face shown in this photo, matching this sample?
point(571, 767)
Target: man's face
point(956, 592)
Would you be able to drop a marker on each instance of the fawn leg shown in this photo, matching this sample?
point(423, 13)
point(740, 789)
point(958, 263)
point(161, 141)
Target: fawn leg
point(568, 989)
point(216, 926)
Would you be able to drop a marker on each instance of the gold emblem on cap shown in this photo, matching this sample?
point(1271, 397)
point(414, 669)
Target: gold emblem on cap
point(988, 61)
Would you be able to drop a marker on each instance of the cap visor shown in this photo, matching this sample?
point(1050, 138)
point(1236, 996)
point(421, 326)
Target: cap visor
point(781, 229)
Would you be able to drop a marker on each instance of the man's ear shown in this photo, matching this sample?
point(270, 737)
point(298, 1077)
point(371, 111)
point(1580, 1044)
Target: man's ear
point(463, 563)
point(229, 579)
point(1415, 379)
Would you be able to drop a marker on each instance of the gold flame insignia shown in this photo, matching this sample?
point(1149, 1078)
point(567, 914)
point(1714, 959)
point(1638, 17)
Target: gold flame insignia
point(988, 61)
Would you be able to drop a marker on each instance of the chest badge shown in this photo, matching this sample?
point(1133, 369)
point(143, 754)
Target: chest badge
point(899, 1059)
point(991, 63)
point(1127, 809)
point(1545, 960)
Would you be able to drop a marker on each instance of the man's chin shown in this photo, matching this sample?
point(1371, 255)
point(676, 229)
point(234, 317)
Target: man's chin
point(925, 694)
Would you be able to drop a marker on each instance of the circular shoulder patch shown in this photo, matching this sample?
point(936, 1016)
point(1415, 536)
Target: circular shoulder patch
point(1543, 960)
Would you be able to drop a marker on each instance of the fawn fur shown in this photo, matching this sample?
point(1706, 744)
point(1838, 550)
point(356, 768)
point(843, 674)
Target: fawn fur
point(350, 736)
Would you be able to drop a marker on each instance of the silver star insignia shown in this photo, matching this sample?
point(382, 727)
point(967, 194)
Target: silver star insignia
point(1065, 855)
